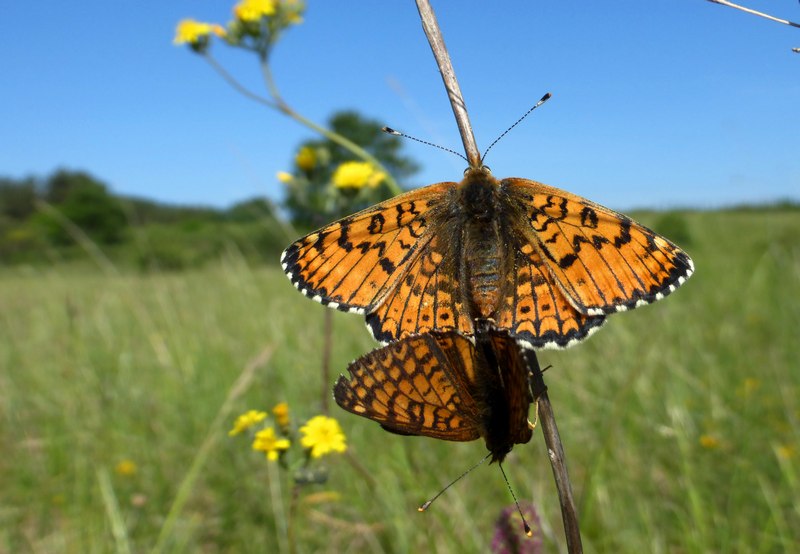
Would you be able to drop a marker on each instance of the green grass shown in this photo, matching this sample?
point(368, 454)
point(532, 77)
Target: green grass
point(680, 420)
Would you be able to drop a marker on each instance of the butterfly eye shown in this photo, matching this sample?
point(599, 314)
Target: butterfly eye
point(486, 169)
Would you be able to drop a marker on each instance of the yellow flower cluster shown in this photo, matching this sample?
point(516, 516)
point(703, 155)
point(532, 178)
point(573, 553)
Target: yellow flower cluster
point(247, 23)
point(194, 32)
point(319, 436)
point(253, 10)
point(357, 175)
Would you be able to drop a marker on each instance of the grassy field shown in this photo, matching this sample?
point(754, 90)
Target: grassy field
point(681, 420)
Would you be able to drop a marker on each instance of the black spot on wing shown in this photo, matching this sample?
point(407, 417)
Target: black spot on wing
point(624, 236)
point(588, 217)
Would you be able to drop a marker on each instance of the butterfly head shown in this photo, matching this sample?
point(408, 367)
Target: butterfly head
point(479, 193)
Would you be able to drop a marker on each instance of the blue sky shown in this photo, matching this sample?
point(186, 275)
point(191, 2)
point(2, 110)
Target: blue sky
point(655, 104)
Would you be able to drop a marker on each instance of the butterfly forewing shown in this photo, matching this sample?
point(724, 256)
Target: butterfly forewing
point(352, 263)
point(602, 260)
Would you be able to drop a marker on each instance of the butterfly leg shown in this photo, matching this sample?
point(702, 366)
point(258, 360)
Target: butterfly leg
point(535, 417)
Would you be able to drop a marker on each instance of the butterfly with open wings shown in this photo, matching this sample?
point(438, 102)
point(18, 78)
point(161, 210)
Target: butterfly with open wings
point(543, 264)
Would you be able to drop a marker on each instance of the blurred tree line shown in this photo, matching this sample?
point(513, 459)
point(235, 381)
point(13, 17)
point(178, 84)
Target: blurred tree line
point(53, 218)
point(61, 216)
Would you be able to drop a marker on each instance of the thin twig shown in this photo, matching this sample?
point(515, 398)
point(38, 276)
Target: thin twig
point(431, 27)
point(754, 12)
point(279, 104)
point(555, 451)
point(231, 80)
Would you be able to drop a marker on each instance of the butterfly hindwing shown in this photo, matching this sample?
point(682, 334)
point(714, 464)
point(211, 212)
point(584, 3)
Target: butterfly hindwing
point(408, 387)
point(352, 263)
point(429, 296)
point(441, 385)
point(535, 309)
point(602, 260)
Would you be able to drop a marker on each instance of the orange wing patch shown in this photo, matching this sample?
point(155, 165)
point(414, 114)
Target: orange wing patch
point(409, 387)
point(428, 297)
point(536, 310)
point(352, 263)
point(441, 385)
point(603, 261)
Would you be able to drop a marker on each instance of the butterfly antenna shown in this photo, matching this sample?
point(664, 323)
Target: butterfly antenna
point(456, 480)
point(399, 134)
point(525, 525)
point(543, 99)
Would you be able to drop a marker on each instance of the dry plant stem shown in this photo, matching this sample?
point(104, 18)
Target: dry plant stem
point(431, 28)
point(555, 451)
point(754, 12)
point(279, 104)
point(554, 447)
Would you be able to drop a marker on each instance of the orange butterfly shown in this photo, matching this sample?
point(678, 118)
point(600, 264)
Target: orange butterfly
point(541, 263)
point(441, 385)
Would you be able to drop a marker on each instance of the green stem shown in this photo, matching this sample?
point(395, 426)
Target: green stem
point(344, 142)
point(279, 104)
point(290, 529)
point(231, 80)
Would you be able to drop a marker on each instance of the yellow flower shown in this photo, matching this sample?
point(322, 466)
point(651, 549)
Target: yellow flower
point(253, 10)
point(306, 158)
point(267, 442)
point(281, 413)
point(322, 435)
point(376, 179)
point(749, 386)
point(126, 468)
point(284, 177)
point(246, 420)
point(193, 32)
point(709, 441)
point(785, 451)
point(357, 175)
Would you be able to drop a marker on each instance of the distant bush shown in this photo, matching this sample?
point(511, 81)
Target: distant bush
point(171, 247)
point(674, 226)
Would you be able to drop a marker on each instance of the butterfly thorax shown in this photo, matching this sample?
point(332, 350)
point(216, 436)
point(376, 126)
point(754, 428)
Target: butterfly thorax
point(484, 259)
